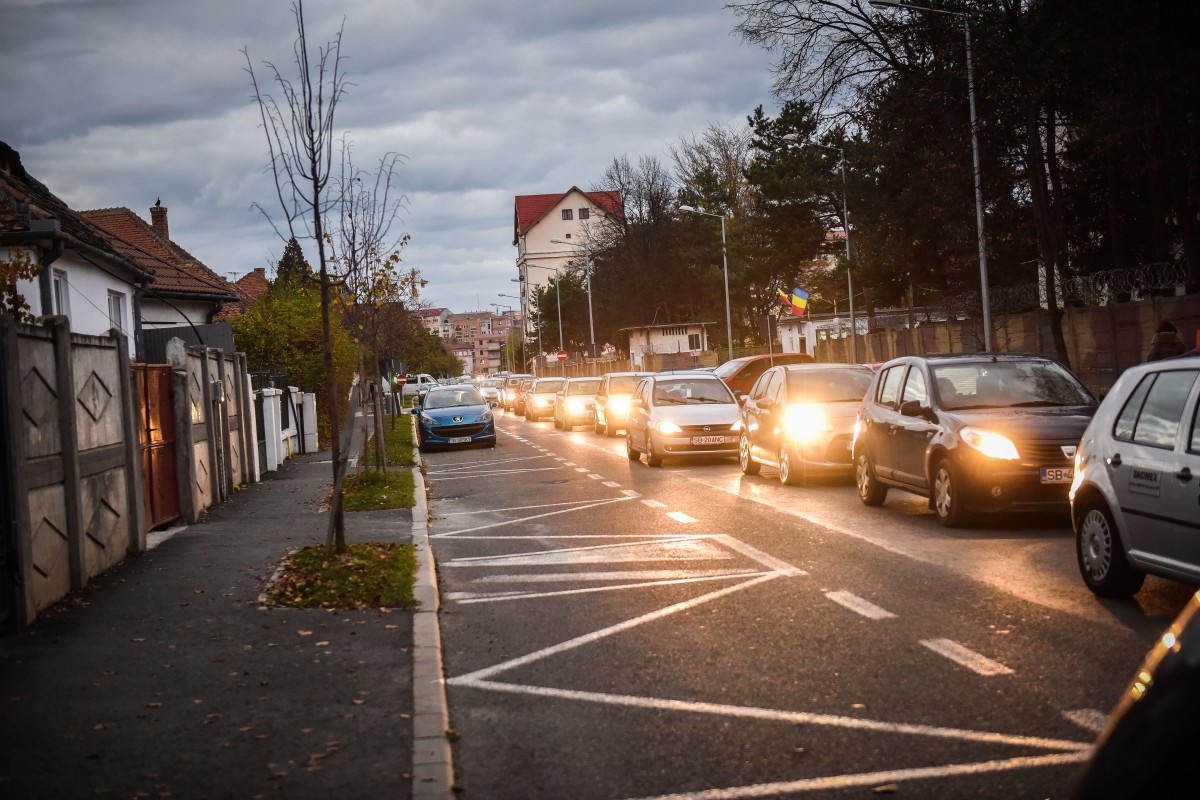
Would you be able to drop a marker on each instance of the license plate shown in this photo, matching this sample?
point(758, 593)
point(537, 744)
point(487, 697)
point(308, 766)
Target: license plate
point(708, 440)
point(1057, 474)
point(459, 439)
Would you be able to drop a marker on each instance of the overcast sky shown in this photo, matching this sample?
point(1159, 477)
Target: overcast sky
point(120, 102)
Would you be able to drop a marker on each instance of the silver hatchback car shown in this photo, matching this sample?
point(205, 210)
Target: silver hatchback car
point(682, 413)
point(1135, 493)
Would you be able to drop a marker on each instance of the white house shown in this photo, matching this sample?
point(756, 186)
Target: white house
point(689, 338)
point(572, 217)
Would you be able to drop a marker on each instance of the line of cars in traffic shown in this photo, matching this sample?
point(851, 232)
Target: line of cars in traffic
point(971, 433)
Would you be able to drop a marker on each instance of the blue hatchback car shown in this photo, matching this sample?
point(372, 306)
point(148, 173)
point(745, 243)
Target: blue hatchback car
point(454, 415)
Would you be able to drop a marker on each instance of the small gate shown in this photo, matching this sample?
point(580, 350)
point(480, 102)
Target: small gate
point(156, 432)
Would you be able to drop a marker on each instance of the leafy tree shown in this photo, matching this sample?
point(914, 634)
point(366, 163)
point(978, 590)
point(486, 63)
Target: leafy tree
point(292, 266)
point(17, 266)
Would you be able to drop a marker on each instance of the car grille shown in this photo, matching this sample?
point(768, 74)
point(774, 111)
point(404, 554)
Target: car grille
point(1045, 453)
point(448, 431)
point(704, 430)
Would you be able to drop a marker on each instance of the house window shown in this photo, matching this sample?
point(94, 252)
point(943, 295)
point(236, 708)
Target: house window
point(116, 310)
point(62, 293)
point(585, 213)
point(693, 341)
point(567, 213)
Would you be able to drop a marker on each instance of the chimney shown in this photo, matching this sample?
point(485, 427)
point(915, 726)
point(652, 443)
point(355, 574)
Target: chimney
point(158, 220)
point(262, 271)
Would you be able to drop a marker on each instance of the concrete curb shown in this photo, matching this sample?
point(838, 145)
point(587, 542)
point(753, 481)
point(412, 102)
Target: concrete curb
point(433, 770)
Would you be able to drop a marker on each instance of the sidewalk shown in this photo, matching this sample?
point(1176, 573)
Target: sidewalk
point(166, 678)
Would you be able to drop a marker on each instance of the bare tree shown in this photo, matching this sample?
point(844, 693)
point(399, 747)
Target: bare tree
point(300, 133)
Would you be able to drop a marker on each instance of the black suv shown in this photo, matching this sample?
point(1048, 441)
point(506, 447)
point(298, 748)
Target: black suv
point(972, 432)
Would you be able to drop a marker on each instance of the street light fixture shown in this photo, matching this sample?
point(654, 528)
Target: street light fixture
point(983, 276)
point(795, 138)
point(587, 271)
point(725, 263)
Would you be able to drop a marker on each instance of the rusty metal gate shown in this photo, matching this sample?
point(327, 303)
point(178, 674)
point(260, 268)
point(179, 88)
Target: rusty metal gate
point(156, 432)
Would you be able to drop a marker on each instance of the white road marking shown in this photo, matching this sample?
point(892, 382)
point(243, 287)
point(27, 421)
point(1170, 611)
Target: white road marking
point(595, 477)
point(954, 651)
point(874, 778)
point(630, 493)
point(859, 606)
point(612, 485)
point(478, 464)
point(502, 523)
point(514, 508)
point(696, 549)
point(468, 598)
point(1088, 718)
point(479, 681)
point(581, 469)
point(617, 575)
point(489, 474)
point(679, 516)
point(653, 504)
point(569, 464)
point(560, 458)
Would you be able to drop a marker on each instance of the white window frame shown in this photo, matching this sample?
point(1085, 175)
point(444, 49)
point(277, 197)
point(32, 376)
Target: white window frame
point(116, 310)
point(62, 293)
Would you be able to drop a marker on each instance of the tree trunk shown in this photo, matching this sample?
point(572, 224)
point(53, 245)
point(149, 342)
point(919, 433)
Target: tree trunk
point(1035, 167)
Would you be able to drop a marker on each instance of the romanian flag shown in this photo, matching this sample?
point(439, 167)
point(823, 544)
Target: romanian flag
point(797, 301)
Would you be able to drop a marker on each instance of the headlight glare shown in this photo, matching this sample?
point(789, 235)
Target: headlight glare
point(666, 426)
point(805, 421)
point(991, 444)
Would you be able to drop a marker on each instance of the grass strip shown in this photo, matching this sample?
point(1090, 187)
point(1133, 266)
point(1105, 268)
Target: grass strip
point(370, 575)
point(375, 490)
point(398, 433)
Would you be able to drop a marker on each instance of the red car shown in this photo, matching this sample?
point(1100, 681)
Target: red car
point(740, 374)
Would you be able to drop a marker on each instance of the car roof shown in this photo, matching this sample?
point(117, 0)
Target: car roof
point(820, 366)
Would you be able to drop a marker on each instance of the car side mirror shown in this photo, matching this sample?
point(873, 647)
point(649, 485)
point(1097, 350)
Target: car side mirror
point(766, 403)
point(913, 408)
point(741, 398)
point(415, 410)
point(637, 402)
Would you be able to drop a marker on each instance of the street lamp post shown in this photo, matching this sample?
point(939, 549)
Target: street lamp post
point(587, 272)
point(725, 265)
point(558, 301)
point(983, 271)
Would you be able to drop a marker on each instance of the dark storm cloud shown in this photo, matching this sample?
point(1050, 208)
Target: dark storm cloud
point(122, 101)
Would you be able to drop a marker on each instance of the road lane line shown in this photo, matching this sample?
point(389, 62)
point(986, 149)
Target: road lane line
point(754, 554)
point(478, 681)
point(518, 520)
point(679, 516)
point(630, 493)
point(490, 474)
point(468, 598)
point(618, 575)
point(954, 651)
point(859, 606)
point(695, 548)
point(595, 636)
point(653, 504)
point(513, 508)
point(595, 477)
point(581, 469)
point(1090, 719)
point(612, 485)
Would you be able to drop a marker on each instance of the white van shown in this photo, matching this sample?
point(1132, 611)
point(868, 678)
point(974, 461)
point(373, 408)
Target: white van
point(417, 384)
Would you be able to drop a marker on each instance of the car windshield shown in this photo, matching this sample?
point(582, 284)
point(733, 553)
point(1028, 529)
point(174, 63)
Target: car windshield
point(828, 385)
point(583, 387)
point(550, 385)
point(448, 398)
point(623, 384)
point(729, 367)
point(686, 391)
point(1008, 384)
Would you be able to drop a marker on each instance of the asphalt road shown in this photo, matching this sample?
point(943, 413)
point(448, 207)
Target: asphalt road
point(613, 630)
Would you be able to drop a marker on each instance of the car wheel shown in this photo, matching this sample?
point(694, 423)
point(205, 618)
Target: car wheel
point(870, 490)
point(748, 464)
point(653, 457)
point(1102, 561)
point(610, 430)
point(633, 454)
point(947, 498)
point(558, 423)
point(597, 428)
point(789, 475)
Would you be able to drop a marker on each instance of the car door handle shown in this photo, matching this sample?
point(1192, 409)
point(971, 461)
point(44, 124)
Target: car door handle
point(1184, 474)
point(1114, 460)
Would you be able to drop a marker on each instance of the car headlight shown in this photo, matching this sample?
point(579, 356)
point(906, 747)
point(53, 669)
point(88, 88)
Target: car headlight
point(992, 445)
point(666, 426)
point(428, 420)
point(737, 425)
point(576, 406)
point(618, 405)
point(541, 401)
point(486, 416)
point(805, 421)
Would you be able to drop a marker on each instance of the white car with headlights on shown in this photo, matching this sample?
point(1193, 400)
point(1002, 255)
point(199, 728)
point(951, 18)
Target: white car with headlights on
point(539, 399)
point(1135, 500)
point(682, 414)
point(800, 420)
point(612, 400)
point(972, 432)
point(575, 403)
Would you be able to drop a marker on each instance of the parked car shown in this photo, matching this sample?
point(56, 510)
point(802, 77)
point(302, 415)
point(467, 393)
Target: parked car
point(740, 374)
point(1149, 740)
point(508, 396)
point(1134, 497)
point(416, 384)
point(575, 403)
point(612, 400)
point(454, 415)
point(490, 389)
point(799, 419)
point(972, 432)
point(538, 400)
point(519, 393)
point(682, 414)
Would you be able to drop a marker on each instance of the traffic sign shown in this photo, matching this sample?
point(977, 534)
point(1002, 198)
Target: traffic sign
point(562, 355)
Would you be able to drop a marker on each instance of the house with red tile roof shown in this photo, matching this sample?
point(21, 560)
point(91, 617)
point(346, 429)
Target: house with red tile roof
point(250, 287)
point(185, 292)
point(79, 273)
point(574, 216)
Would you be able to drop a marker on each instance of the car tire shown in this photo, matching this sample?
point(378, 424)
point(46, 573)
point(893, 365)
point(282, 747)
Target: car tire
point(653, 457)
point(597, 428)
point(532, 417)
point(1101, 556)
point(748, 464)
point(558, 425)
point(633, 454)
point(946, 495)
point(870, 490)
point(789, 474)
point(609, 430)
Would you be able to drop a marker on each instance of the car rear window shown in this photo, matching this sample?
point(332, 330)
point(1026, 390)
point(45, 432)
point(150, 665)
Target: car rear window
point(828, 386)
